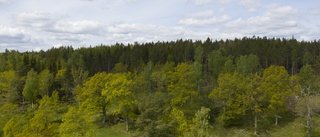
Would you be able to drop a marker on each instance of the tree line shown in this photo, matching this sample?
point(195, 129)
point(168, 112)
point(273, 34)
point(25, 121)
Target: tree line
point(177, 88)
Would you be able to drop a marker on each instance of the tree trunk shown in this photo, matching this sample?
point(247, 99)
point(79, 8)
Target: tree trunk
point(308, 120)
point(292, 69)
point(255, 125)
point(276, 120)
point(127, 124)
point(32, 104)
point(104, 115)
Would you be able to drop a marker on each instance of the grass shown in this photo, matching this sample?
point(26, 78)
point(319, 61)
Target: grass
point(117, 130)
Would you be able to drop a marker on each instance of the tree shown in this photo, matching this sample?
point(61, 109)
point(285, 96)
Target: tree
point(152, 120)
point(14, 126)
point(308, 106)
point(247, 64)
point(179, 121)
point(230, 95)
point(216, 61)
point(306, 76)
point(91, 93)
point(31, 88)
point(201, 123)
point(38, 126)
point(295, 59)
point(65, 79)
point(307, 58)
point(146, 74)
point(80, 76)
point(198, 65)
point(160, 76)
point(7, 111)
point(182, 85)
point(9, 83)
point(119, 90)
point(76, 122)
point(120, 68)
point(278, 86)
point(41, 124)
point(45, 82)
point(49, 106)
point(228, 66)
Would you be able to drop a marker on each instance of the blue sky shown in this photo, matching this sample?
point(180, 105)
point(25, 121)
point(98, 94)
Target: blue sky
point(27, 25)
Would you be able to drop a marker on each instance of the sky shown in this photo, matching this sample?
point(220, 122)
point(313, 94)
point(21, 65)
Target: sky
point(34, 25)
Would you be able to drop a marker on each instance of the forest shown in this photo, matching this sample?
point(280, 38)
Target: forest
point(255, 86)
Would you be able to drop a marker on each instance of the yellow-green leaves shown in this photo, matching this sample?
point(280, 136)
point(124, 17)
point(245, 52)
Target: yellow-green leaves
point(237, 93)
point(182, 84)
point(181, 124)
point(45, 82)
point(231, 94)
point(31, 88)
point(119, 88)
point(201, 123)
point(278, 86)
point(7, 111)
point(76, 123)
point(8, 86)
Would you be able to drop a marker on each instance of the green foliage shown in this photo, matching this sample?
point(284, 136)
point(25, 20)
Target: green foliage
point(76, 122)
point(38, 126)
point(160, 76)
point(231, 95)
point(307, 58)
point(14, 126)
point(152, 120)
point(90, 94)
point(216, 61)
point(247, 64)
point(180, 122)
point(120, 68)
point(79, 75)
point(182, 85)
point(306, 76)
point(201, 123)
point(31, 88)
point(308, 108)
point(279, 86)
point(7, 111)
point(45, 82)
point(113, 79)
point(119, 89)
point(9, 82)
point(146, 74)
point(228, 66)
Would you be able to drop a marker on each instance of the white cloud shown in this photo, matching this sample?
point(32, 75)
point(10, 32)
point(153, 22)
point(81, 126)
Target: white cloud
point(48, 22)
point(3, 2)
point(203, 14)
point(37, 20)
point(203, 2)
point(204, 22)
point(13, 35)
point(16, 39)
point(146, 29)
point(55, 28)
point(78, 27)
point(279, 21)
point(132, 0)
point(250, 5)
point(315, 11)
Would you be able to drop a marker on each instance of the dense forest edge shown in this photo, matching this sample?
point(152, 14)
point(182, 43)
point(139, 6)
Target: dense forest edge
point(254, 86)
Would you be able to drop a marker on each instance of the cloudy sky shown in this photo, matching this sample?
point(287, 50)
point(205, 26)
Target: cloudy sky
point(27, 25)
